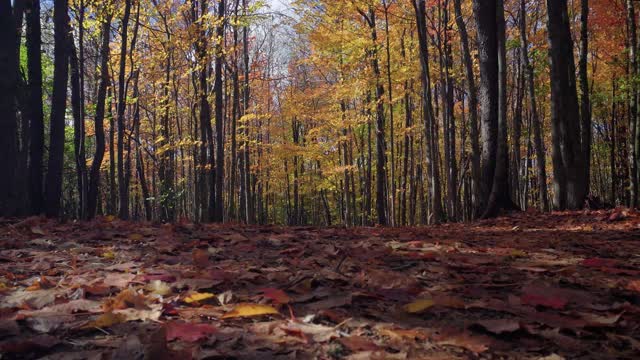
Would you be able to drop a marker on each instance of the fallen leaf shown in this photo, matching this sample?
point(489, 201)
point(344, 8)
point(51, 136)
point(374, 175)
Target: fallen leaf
point(499, 326)
point(473, 343)
point(248, 310)
point(200, 258)
point(358, 343)
point(188, 332)
point(33, 299)
point(598, 262)
point(119, 280)
point(158, 287)
point(419, 306)
point(197, 297)
point(544, 296)
point(106, 320)
point(276, 295)
point(136, 237)
point(634, 285)
point(37, 230)
point(153, 313)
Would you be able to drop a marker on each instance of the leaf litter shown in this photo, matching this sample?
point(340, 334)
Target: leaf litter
point(538, 286)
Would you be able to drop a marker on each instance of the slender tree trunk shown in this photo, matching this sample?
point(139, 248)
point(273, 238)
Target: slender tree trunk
point(53, 186)
point(541, 170)
point(392, 207)
point(219, 114)
point(34, 68)
point(123, 190)
point(94, 180)
point(428, 115)
point(633, 99)
point(585, 103)
point(78, 127)
point(473, 109)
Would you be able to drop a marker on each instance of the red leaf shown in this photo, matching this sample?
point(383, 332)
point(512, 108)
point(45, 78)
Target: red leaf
point(276, 295)
point(536, 299)
point(598, 262)
point(188, 332)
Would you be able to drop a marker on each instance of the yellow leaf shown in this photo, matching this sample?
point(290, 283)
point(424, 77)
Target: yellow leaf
point(106, 320)
point(518, 253)
point(135, 237)
point(109, 218)
point(198, 297)
point(246, 310)
point(108, 255)
point(419, 306)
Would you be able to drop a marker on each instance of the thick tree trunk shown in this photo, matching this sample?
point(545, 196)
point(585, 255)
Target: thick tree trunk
point(53, 186)
point(9, 200)
point(568, 158)
point(36, 118)
point(499, 197)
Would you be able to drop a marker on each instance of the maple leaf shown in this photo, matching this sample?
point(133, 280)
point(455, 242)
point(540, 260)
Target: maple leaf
point(188, 332)
point(276, 295)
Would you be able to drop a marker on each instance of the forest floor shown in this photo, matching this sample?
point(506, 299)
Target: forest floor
point(526, 286)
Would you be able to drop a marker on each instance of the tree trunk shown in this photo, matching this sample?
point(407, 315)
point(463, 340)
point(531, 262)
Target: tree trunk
point(541, 170)
point(219, 113)
point(499, 197)
point(94, 180)
point(428, 116)
point(123, 190)
point(9, 200)
point(34, 68)
point(585, 103)
point(633, 97)
point(53, 186)
point(473, 109)
point(568, 158)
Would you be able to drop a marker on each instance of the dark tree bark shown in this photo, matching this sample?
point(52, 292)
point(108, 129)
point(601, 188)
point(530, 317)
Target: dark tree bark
point(94, 180)
point(499, 197)
point(429, 117)
point(219, 114)
point(473, 109)
point(123, 190)
point(585, 103)
point(632, 45)
point(568, 158)
point(53, 186)
point(9, 200)
point(78, 127)
point(533, 108)
point(36, 133)
point(485, 15)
